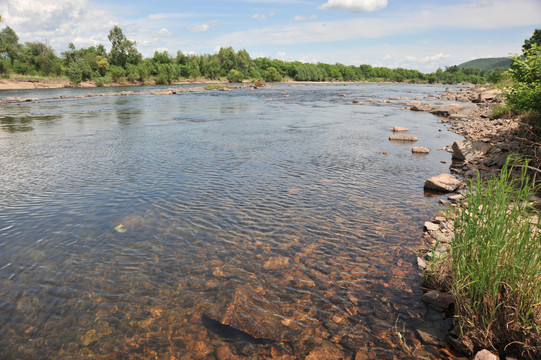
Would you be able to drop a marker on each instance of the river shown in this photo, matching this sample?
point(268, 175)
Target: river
point(128, 224)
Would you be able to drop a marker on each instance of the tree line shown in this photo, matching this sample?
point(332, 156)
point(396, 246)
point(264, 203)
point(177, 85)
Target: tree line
point(124, 63)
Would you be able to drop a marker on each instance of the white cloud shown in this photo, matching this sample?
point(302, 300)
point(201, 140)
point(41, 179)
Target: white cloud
point(57, 21)
point(259, 17)
point(355, 6)
point(299, 18)
point(203, 27)
point(281, 55)
point(502, 14)
point(164, 32)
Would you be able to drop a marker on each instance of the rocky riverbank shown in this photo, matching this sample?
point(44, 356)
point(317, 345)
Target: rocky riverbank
point(488, 143)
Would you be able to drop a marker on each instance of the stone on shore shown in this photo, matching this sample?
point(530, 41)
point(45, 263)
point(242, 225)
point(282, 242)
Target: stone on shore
point(447, 110)
point(399, 129)
point(420, 150)
point(468, 149)
point(438, 301)
point(442, 183)
point(403, 137)
point(485, 355)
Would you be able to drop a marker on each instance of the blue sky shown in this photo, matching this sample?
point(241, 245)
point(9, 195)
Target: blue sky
point(415, 34)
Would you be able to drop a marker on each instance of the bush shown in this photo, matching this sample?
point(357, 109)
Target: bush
point(271, 74)
point(234, 76)
point(117, 73)
point(79, 71)
point(525, 71)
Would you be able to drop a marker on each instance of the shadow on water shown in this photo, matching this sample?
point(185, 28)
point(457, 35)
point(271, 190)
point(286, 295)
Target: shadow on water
point(13, 124)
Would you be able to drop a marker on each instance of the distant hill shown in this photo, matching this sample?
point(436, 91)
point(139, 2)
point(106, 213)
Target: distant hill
point(487, 63)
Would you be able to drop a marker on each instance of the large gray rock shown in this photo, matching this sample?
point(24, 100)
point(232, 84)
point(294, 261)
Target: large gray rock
point(403, 137)
point(447, 110)
point(468, 149)
point(442, 183)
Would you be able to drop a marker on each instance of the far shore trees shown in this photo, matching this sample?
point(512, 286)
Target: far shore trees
point(124, 63)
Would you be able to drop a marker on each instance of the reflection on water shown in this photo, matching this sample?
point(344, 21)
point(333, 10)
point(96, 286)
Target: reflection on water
point(253, 228)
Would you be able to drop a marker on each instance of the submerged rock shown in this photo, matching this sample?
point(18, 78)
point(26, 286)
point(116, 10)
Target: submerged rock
point(442, 183)
point(246, 311)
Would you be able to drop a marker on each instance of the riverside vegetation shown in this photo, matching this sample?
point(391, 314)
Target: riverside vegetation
point(124, 64)
point(491, 270)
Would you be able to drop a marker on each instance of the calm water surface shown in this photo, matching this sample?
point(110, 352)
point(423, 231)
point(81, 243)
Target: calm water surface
point(282, 211)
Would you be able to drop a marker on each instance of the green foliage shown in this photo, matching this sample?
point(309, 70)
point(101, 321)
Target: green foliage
point(310, 72)
point(534, 39)
point(166, 74)
point(234, 76)
point(117, 73)
point(102, 65)
point(79, 71)
point(42, 58)
point(496, 259)
point(525, 71)
point(271, 75)
point(123, 51)
point(501, 111)
point(9, 44)
point(215, 86)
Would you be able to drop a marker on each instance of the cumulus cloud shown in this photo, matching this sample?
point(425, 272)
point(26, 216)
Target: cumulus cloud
point(164, 32)
point(60, 21)
point(355, 6)
point(259, 17)
point(299, 18)
point(203, 27)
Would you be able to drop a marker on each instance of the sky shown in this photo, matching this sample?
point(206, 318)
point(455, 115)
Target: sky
point(413, 34)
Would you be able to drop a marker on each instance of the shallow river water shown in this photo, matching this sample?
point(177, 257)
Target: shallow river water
point(131, 226)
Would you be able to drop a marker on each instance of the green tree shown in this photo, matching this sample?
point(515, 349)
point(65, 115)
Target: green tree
point(227, 60)
point(41, 57)
point(245, 64)
point(123, 51)
point(534, 39)
point(9, 44)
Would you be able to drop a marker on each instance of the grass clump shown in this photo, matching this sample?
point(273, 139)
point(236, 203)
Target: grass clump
point(496, 265)
point(216, 86)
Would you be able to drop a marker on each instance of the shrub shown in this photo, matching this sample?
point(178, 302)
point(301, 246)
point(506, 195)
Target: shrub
point(234, 76)
point(271, 74)
point(79, 71)
point(117, 73)
point(525, 71)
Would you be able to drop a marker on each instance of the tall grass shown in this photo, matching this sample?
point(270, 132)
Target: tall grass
point(496, 263)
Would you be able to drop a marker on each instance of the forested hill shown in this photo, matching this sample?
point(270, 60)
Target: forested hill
point(487, 63)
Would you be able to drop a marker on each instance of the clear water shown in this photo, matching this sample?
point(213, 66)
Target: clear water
point(290, 200)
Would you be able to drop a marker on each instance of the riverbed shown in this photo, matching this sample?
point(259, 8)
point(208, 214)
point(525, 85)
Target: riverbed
point(130, 224)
